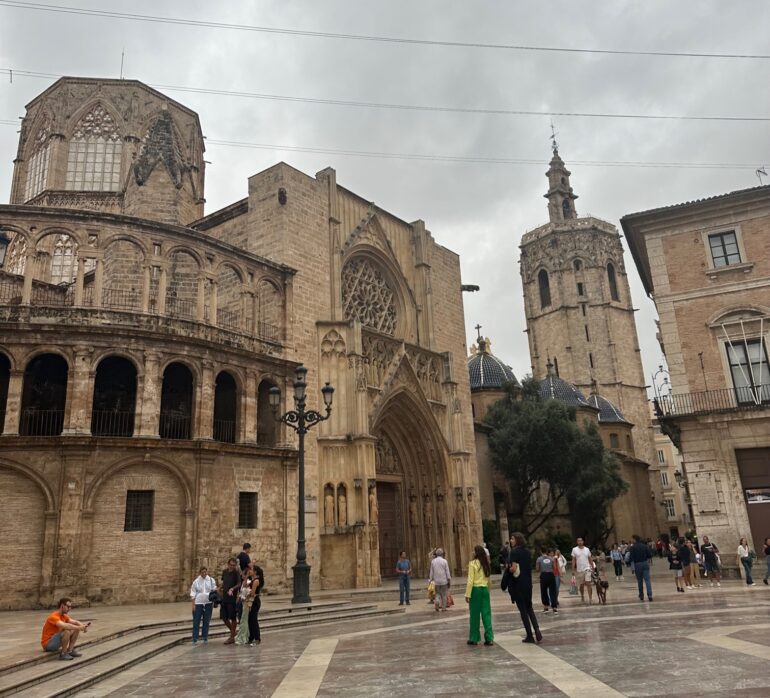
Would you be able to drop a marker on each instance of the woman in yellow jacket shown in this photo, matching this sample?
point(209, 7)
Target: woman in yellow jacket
point(477, 595)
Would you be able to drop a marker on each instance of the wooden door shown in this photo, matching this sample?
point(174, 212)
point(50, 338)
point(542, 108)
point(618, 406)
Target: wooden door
point(754, 468)
point(390, 527)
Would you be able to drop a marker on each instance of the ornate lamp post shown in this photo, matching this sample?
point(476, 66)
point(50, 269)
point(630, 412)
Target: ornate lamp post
point(301, 421)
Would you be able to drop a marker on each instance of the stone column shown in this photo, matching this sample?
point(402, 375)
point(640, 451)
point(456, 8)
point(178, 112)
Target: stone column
point(200, 314)
point(13, 402)
point(71, 558)
point(213, 319)
point(205, 403)
point(30, 264)
point(162, 284)
point(79, 280)
point(98, 282)
point(80, 393)
point(249, 409)
point(146, 274)
point(149, 415)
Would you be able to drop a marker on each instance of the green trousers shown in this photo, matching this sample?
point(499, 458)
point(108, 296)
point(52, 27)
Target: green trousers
point(481, 610)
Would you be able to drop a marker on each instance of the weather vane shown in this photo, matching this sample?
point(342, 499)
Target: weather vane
point(554, 144)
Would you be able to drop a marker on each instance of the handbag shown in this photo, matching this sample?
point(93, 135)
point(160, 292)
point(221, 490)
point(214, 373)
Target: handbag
point(449, 600)
point(431, 589)
point(506, 579)
point(573, 590)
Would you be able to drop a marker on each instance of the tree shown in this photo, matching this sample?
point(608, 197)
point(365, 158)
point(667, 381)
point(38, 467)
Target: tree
point(549, 460)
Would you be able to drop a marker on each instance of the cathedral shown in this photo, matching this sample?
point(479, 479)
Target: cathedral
point(141, 342)
point(584, 351)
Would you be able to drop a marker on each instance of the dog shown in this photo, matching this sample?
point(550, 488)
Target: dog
point(601, 586)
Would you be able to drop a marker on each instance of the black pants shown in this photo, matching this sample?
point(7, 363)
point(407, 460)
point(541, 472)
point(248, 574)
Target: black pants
point(254, 620)
point(548, 590)
point(522, 597)
point(618, 564)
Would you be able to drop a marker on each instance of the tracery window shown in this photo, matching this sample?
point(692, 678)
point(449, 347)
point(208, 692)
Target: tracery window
point(16, 257)
point(367, 297)
point(94, 153)
point(63, 260)
point(37, 169)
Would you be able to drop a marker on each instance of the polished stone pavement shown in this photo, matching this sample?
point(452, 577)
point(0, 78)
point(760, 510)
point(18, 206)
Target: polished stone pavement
point(711, 642)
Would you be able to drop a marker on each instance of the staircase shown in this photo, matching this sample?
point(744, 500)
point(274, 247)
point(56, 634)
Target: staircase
point(45, 676)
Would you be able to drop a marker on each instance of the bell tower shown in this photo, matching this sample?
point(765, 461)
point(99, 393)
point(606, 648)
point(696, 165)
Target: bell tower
point(578, 306)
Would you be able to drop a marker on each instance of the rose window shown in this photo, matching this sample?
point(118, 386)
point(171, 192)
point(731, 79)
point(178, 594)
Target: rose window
point(367, 297)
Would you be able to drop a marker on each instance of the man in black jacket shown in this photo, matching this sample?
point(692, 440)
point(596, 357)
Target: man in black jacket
point(640, 556)
point(520, 587)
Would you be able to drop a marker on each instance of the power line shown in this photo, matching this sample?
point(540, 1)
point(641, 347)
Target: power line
point(414, 107)
point(435, 157)
point(363, 37)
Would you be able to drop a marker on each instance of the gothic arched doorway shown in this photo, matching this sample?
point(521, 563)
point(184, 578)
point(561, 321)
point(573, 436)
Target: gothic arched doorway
point(412, 491)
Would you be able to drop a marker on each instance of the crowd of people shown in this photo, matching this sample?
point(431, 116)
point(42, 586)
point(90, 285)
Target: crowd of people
point(238, 590)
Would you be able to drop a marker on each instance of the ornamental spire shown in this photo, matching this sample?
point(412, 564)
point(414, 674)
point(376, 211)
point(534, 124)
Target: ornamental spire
point(561, 199)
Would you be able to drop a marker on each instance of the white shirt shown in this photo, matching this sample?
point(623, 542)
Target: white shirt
point(201, 588)
point(439, 571)
point(743, 551)
point(581, 557)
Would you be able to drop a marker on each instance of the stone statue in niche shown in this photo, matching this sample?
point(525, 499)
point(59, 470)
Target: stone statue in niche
point(374, 511)
point(472, 516)
point(441, 511)
point(414, 514)
point(460, 511)
point(342, 509)
point(427, 512)
point(329, 509)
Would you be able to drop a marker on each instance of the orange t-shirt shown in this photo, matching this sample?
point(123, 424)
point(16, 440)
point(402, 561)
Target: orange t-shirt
point(50, 628)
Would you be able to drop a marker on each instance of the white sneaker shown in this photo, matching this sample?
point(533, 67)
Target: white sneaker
point(752, 584)
point(718, 584)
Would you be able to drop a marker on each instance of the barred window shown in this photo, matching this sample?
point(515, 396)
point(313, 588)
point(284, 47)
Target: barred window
point(139, 510)
point(724, 249)
point(95, 151)
point(247, 510)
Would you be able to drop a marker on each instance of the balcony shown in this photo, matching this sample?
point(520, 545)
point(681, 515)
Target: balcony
point(713, 402)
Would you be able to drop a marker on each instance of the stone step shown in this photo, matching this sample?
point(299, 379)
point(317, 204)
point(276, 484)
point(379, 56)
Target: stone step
point(49, 676)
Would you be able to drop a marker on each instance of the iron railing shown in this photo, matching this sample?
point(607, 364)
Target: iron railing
point(120, 299)
point(58, 296)
point(112, 423)
point(224, 430)
point(713, 401)
point(180, 307)
point(228, 319)
point(175, 426)
point(36, 422)
point(10, 292)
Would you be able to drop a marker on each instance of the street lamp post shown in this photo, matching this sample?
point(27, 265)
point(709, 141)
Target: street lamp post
point(301, 421)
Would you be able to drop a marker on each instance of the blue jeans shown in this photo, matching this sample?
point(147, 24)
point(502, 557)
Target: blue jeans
point(746, 562)
point(403, 588)
point(767, 574)
point(202, 612)
point(558, 586)
point(642, 572)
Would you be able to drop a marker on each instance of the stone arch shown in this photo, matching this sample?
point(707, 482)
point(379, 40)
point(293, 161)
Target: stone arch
point(55, 262)
point(115, 392)
point(88, 106)
point(44, 394)
point(227, 393)
point(179, 385)
point(412, 480)
point(24, 496)
point(103, 353)
point(159, 552)
point(229, 296)
point(270, 302)
point(267, 426)
point(748, 308)
point(374, 292)
point(184, 270)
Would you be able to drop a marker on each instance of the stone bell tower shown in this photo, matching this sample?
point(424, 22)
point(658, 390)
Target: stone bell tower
point(579, 311)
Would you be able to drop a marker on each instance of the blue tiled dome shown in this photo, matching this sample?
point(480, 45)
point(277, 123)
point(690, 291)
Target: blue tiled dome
point(608, 413)
point(485, 370)
point(554, 388)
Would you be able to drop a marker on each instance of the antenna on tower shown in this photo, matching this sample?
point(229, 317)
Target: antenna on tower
point(554, 144)
point(122, 56)
point(761, 172)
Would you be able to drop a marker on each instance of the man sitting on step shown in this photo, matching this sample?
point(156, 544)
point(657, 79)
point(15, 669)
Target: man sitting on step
point(60, 632)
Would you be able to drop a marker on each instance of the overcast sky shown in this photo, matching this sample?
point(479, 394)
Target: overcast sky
point(479, 210)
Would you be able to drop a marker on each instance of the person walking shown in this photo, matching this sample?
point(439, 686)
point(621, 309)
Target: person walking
point(685, 558)
point(442, 578)
point(520, 586)
point(231, 583)
point(617, 562)
point(404, 572)
point(745, 559)
point(561, 568)
point(477, 595)
point(711, 562)
point(767, 560)
point(582, 564)
point(547, 567)
point(202, 606)
point(639, 554)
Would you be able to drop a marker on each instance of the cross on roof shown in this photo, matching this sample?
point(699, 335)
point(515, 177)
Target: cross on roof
point(478, 331)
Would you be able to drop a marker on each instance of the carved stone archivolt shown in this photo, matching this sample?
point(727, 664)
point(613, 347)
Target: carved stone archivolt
point(378, 354)
point(367, 297)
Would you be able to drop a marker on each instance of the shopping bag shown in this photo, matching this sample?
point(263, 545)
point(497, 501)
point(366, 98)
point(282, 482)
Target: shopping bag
point(573, 590)
point(449, 600)
point(431, 590)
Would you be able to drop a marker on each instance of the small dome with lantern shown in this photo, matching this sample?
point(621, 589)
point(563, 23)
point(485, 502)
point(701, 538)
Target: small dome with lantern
point(485, 370)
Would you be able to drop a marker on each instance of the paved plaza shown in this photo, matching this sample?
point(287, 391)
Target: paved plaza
point(709, 642)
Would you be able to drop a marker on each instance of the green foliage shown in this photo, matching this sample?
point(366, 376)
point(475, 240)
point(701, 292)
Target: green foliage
point(547, 459)
point(492, 539)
